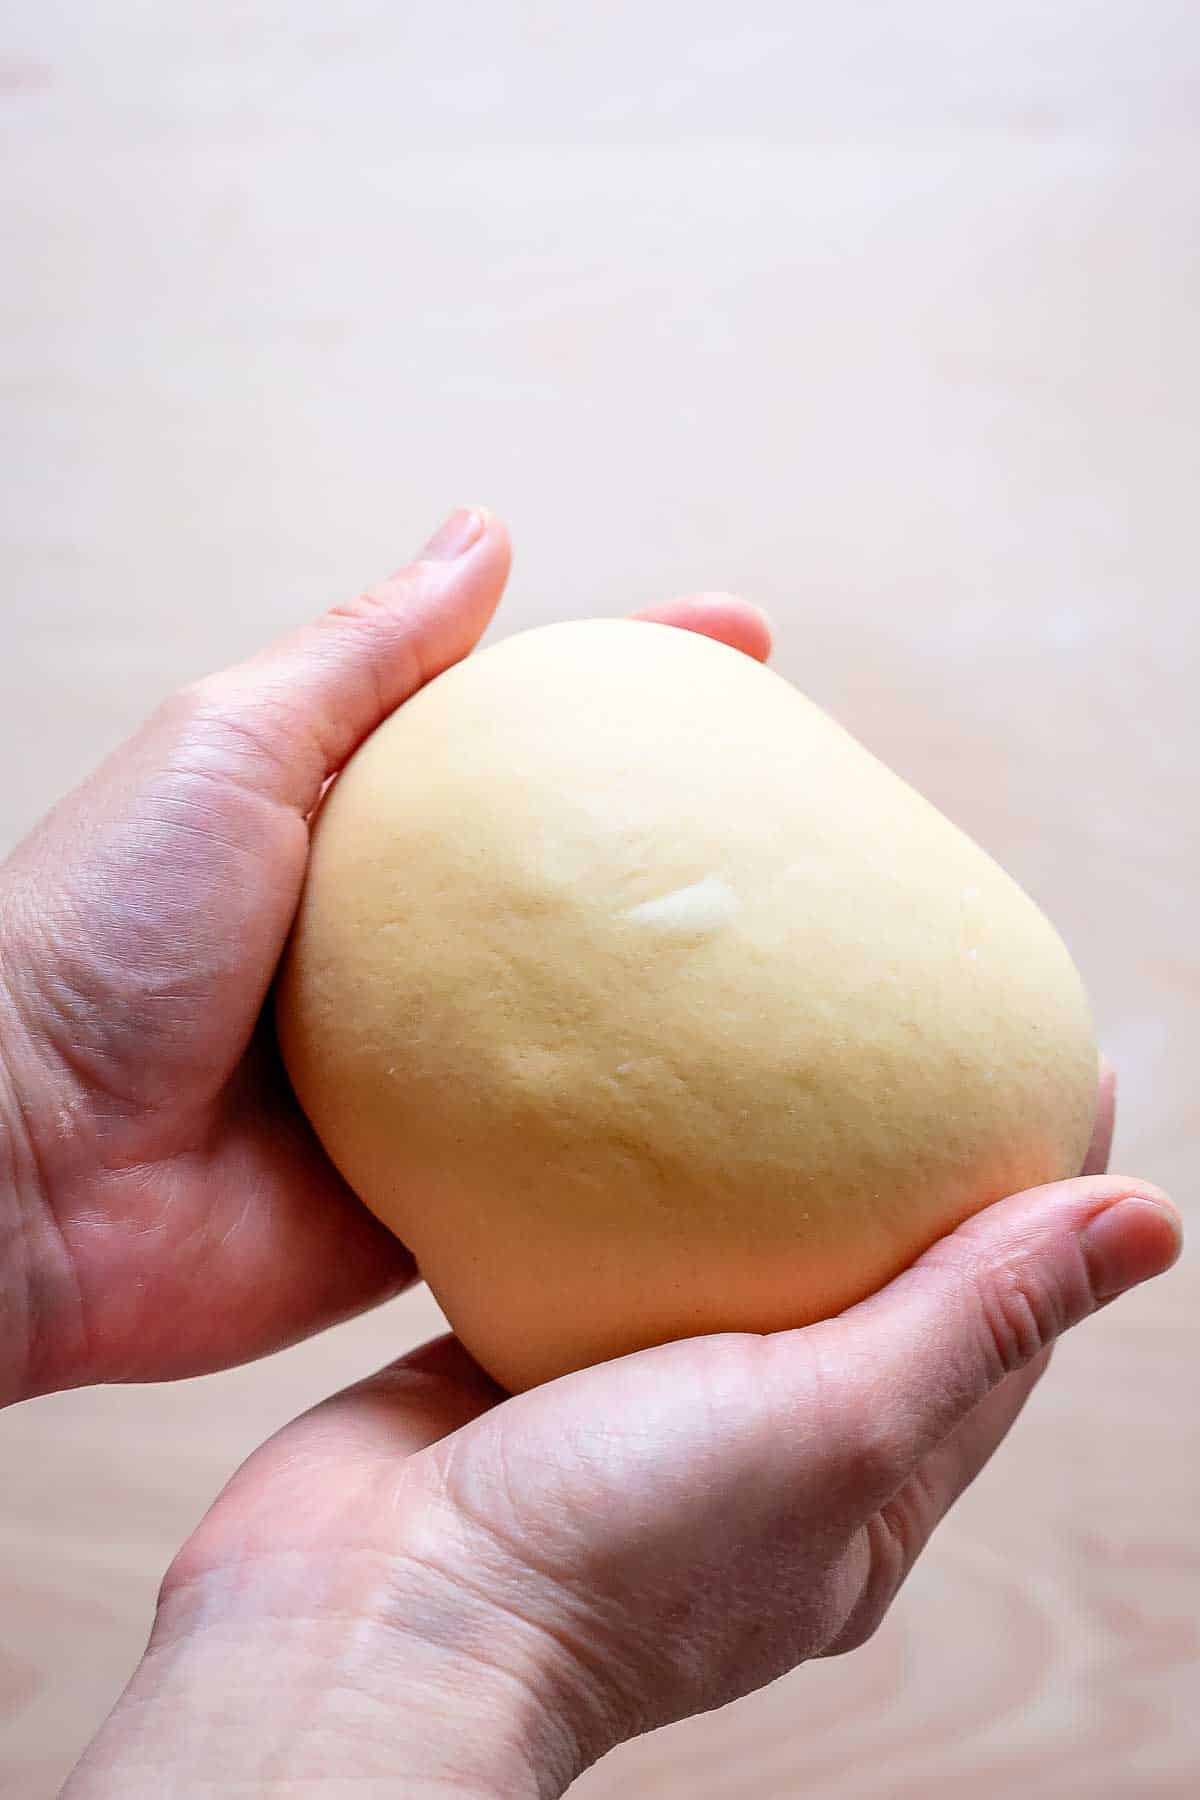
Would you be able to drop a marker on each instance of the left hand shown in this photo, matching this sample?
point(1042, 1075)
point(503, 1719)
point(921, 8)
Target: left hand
point(165, 1208)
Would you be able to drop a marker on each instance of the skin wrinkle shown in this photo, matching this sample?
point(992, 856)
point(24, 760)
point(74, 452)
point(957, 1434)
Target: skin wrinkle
point(368, 612)
point(68, 999)
point(391, 616)
point(893, 1540)
point(812, 1538)
point(880, 1549)
point(380, 1609)
point(1016, 1323)
point(51, 1298)
point(88, 1044)
point(176, 816)
point(354, 1675)
point(515, 1556)
point(692, 1610)
point(210, 723)
point(862, 1447)
point(40, 960)
point(1014, 1319)
point(19, 1258)
point(553, 1703)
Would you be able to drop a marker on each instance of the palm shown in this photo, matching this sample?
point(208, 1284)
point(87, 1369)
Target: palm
point(691, 1520)
point(444, 1582)
point(201, 1222)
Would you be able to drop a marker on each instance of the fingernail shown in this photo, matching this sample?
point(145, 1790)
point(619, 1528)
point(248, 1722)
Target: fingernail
point(456, 536)
point(1131, 1241)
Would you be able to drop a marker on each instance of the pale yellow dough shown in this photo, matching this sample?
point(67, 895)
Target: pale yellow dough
point(640, 1000)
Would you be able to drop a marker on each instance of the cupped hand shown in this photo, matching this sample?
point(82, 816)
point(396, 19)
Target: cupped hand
point(424, 1586)
point(169, 1211)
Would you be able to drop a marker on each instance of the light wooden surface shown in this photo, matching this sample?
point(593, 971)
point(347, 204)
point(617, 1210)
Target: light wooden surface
point(885, 315)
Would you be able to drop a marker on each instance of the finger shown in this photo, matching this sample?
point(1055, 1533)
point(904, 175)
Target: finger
point(1100, 1148)
point(899, 1532)
point(289, 717)
point(988, 1299)
point(726, 617)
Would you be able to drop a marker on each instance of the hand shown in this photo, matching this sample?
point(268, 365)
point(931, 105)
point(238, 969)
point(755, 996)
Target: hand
point(424, 1586)
point(169, 1210)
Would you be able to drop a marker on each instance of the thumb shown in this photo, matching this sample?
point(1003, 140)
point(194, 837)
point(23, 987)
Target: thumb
point(175, 869)
point(290, 716)
point(986, 1301)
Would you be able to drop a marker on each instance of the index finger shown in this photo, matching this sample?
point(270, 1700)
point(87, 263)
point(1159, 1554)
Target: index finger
point(1100, 1148)
point(726, 617)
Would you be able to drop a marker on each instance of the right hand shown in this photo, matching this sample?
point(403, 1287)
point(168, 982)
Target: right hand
point(425, 1586)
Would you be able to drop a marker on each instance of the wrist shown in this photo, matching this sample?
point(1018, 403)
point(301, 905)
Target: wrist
point(276, 1673)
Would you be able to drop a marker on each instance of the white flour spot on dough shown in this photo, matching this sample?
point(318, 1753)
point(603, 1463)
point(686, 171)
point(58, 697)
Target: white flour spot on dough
point(701, 906)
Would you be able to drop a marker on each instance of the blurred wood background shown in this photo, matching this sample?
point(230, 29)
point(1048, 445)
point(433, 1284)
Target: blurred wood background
point(884, 315)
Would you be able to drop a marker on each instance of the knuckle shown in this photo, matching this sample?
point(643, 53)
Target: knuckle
point(373, 605)
point(1020, 1301)
point(385, 611)
point(206, 710)
point(212, 712)
point(245, 737)
point(386, 646)
point(879, 1459)
point(1021, 1311)
point(904, 1526)
point(882, 1557)
point(873, 1456)
point(887, 1568)
point(859, 1632)
point(188, 704)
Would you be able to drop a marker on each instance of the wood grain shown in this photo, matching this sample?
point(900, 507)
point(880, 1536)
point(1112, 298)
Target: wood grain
point(884, 316)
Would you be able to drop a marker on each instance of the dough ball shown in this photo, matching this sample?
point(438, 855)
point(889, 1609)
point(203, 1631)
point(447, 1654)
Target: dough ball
point(641, 1001)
